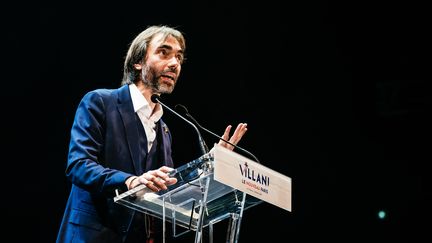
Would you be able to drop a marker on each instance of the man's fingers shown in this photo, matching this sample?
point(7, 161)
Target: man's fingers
point(142, 180)
point(160, 183)
point(165, 169)
point(171, 181)
point(235, 136)
point(161, 174)
point(238, 133)
point(227, 132)
point(147, 183)
point(225, 136)
point(152, 186)
point(157, 180)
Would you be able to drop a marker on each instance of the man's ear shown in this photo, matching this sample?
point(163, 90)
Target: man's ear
point(138, 66)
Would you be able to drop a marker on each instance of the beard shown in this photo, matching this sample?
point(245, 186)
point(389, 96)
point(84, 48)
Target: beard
point(150, 78)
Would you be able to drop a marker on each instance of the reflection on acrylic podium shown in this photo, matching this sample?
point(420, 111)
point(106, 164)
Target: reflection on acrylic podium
point(196, 201)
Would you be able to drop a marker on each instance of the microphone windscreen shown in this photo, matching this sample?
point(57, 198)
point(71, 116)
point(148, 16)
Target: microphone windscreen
point(154, 98)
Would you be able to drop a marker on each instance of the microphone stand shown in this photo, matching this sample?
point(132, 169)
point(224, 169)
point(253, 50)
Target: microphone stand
point(203, 145)
point(212, 133)
point(204, 188)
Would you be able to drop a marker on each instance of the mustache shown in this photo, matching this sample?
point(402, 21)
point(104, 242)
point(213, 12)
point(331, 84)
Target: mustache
point(170, 70)
point(169, 73)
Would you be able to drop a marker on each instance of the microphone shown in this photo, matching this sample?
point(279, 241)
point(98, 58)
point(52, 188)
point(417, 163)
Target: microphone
point(212, 133)
point(203, 146)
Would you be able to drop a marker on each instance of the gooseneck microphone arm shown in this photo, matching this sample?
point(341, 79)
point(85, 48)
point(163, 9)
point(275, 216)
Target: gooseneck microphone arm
point(203, 146)
point(214, 134)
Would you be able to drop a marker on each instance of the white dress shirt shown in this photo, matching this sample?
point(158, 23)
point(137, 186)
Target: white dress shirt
point(147, 116)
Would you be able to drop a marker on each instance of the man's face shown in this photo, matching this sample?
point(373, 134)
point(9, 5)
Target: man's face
point(162, 64)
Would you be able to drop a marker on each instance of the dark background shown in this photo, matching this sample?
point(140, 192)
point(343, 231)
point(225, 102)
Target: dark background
point(336, 96)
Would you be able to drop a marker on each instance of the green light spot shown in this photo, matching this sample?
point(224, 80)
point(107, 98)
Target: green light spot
point(381, 214)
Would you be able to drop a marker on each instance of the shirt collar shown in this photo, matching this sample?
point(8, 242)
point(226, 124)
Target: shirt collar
point(141, 105)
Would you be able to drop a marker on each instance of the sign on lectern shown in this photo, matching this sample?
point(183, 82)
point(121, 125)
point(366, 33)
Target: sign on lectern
point(250, 177)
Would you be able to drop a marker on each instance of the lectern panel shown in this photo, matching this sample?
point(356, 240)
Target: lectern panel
point(181, 202)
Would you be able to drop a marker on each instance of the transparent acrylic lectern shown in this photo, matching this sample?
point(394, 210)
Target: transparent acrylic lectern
point(194, 202)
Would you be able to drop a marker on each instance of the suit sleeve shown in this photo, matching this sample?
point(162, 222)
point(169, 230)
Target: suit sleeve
point(85, 157)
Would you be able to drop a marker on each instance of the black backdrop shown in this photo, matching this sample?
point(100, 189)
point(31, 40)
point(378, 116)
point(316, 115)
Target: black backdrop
point(335, 95)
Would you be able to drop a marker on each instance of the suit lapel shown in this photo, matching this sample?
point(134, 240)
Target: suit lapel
point(127, 114)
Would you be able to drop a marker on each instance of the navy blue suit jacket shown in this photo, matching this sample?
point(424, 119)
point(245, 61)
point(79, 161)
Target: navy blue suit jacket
point(103, 153)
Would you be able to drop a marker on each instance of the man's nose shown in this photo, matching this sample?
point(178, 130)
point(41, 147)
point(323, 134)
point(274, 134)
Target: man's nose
point(173, 63)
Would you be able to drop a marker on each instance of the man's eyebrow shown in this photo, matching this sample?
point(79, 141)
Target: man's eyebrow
point(169, 48)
